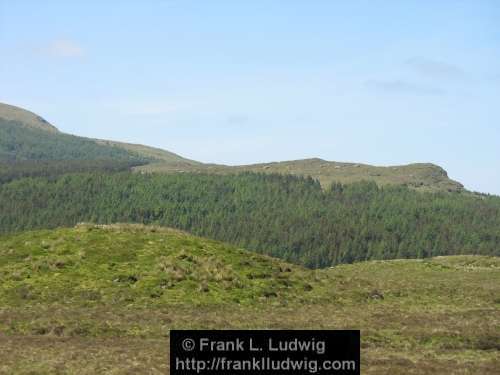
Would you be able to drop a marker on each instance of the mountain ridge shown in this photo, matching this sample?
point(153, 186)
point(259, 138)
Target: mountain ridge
point(418, 176)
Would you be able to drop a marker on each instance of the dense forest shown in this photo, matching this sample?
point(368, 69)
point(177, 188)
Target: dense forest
point(283, 216)
point(18, 142)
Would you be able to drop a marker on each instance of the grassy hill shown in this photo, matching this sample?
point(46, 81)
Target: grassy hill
point(139, 266)
point(26, 136)
point(102, 299)
point(25, 118)
point(154, 154)
point(22, 143)
point(422, 177)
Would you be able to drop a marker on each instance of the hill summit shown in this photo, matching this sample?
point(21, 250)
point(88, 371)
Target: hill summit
point(25, 118)
point(27, 136)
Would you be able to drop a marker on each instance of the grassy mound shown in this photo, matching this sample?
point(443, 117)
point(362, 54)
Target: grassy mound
point(139, 266)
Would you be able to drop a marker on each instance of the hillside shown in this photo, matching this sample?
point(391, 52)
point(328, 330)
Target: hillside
point(26, 136)
point(421, 177)
point(22, 143)
point(97, 299)
point(25, 118)
point(152, 153)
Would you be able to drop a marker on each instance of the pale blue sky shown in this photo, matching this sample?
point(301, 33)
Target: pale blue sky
point(379, 82)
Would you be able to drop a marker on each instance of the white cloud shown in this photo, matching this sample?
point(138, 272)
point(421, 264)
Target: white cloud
point(65, 48)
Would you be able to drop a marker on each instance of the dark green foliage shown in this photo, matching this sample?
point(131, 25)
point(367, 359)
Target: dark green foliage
point(18, 142)
point(283, 216)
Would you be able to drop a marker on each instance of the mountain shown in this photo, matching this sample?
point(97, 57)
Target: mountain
point(96, 299)
point(25, 118)
point(26, 136)
point(421, 177)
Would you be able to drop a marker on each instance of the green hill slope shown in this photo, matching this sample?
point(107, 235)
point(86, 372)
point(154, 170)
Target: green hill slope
point(25, 118)
point(19, 142)
point(152, 153)
point(421, 177)
point(99, 299)
point(26, 136)
point(143, 266)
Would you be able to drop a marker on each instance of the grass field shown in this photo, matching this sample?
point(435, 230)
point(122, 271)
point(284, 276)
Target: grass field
point(102, 299)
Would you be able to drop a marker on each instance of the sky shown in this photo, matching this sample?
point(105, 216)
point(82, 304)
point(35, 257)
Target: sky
point(239, 82)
